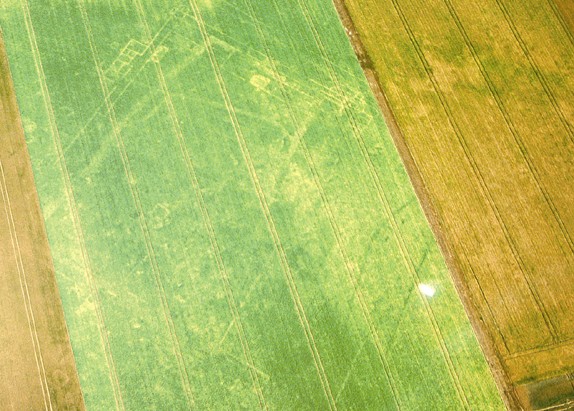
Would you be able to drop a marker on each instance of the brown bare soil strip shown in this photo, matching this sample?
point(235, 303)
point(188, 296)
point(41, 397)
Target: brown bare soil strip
point(37, 368)
point(489, 150)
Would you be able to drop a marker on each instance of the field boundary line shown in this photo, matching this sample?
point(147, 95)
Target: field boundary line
point(131, 183)
point(407, 258)
point(539, 74)
point(474, 166)
point(192, 175)
point(25, 292)
point(102, 329)
point(265, 208)
point(454, 263)
point(336, 230)
point(510, 124)
point(417, 178)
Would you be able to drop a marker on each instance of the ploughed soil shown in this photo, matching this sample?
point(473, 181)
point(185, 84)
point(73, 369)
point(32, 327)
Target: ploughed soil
point(37, 368)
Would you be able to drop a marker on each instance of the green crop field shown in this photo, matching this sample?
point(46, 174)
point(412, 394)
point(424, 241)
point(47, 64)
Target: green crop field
point(230, 222)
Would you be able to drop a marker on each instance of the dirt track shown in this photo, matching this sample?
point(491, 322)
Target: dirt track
point(37, 369)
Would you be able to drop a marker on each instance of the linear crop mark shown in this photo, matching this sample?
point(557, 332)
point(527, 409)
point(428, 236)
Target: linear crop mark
point(118, 398)
point(271, 225)
point(131, 182)
point(253, 371)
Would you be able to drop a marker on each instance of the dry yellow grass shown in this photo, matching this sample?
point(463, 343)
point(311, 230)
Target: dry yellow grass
point(37, 369)
point(482, 95)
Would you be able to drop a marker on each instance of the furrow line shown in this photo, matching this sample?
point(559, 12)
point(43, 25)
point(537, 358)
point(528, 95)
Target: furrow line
point(102, 329)
point(25, 293)
point(131, 182)
point(511, 127)
point(475, 168)
point(271, 225)
point(206, 220)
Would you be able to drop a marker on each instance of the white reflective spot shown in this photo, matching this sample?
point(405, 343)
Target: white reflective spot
point(427, 290)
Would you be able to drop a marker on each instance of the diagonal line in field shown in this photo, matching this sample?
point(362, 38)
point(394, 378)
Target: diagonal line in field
point(265, 208)
point(386, 206)
point(131, 182)
point(25, 292)
point(190, 168)
point(118, 398)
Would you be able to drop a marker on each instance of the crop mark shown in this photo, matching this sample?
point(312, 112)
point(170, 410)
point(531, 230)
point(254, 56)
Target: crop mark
point(539, 75)
point(510, 125)
point(118, 398)
point(350, 371)
point(336, 230)
point(121, 66)
point(251, 367)
point(271, 225)
point(385, 203)
point(131, 182)
point(226, 333)
point(474, 166)
point(135, 52)
point(25, 292)
point(190, 168)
